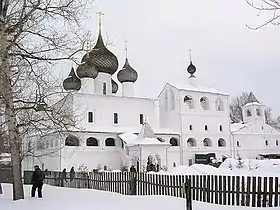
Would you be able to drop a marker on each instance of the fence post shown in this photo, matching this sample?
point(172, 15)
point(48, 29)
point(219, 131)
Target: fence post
point(88, 182)
point(188, 194)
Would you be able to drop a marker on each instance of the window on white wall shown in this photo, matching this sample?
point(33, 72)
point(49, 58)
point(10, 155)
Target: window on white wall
point(90, 117)
point(221, 128)
point(222, 143)
point(204, 102)
point(104, 89)
point(206, 127)
point(237, 143)
point(116, 118)
point(248, 113)
point(207, 142)
point(266, 143)
point(277, 143)
point(141, 119)
point(191, 128)
point(191, 142)
point(219, 105)
point(258, 111)
point(188, 100)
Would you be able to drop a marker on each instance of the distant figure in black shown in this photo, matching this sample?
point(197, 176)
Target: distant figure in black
point(132, 169)
point(63, 178)
point(37, 181)
point(72, 174)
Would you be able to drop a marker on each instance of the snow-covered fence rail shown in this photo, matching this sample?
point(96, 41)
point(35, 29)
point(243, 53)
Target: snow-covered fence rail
point(216, 189)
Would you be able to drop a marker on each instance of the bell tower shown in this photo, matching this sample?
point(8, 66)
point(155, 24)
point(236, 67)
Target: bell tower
point(253, 110)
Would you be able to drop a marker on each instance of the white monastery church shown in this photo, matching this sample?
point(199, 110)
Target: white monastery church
point(186, 123)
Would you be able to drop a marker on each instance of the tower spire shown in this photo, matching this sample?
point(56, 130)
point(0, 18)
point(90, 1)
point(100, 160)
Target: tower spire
point(99, 20)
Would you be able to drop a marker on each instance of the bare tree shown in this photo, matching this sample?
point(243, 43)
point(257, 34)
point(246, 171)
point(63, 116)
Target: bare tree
point(34, 36)
point(236, 111)
point(272, 7)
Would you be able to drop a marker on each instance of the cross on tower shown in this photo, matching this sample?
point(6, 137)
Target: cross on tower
point(190, 53)
point(99, 19)
point(126, 48)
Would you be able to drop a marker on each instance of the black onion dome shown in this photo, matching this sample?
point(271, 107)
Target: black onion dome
point(72, 82)
point(101, 58)
point(85, 70)
point(127, 73)
point(115, 86)
point(191, 69)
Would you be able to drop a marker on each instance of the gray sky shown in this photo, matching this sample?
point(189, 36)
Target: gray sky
point(227, 54)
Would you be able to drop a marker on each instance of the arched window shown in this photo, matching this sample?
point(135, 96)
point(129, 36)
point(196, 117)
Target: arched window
point(171, 100)
point(174, 142)
point(188, 100)
point(204, 103)
point(258, 111)
point(219, 105)
point(248, 112)
point(92, 142)
point(72, 141)
point(207, 142)
point(192, 142)
point(222, 143)
point(110, 142)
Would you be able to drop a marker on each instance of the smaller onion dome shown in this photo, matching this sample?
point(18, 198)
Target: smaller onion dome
point(115, 86)
point(191, 69)
point(85, 70)
point(127, 73)
point(72, 82)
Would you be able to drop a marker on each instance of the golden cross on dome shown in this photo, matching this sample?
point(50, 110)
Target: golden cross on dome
point(190, 53)
point(99, 19)
point(126, 48)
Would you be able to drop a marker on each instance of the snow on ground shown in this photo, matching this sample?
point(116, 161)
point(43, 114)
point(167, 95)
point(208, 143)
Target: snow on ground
point(72, 199)
point(251, 167)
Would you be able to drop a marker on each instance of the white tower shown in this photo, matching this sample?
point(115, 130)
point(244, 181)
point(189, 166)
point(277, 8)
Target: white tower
point(253, 110)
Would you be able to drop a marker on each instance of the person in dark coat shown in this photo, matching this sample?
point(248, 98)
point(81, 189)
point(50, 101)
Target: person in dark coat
point(63, 178)
point(132, 169)
point(72, 174)
point(37, 181)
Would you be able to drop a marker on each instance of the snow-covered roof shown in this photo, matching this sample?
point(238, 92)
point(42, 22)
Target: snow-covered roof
point(252, 103)
point(196, 88)
point(146, 137)
point(237, 126)
point(120, 129)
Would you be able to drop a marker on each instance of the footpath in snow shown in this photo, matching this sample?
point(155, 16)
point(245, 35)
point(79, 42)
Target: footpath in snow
point(72, 199)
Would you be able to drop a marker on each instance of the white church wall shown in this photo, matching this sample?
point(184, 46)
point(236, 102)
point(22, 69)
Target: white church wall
point(256, 138)
point(104, 108)
point(169, 108)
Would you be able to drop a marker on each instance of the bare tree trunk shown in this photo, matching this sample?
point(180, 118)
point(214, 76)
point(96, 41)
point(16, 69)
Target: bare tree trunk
point(14, 138)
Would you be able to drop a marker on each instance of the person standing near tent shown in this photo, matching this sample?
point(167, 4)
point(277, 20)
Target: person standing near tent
point(37, 181)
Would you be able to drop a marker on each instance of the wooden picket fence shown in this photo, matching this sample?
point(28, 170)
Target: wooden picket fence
point(216, 189)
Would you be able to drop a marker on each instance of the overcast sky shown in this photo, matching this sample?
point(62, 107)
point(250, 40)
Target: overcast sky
point(227, 54)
